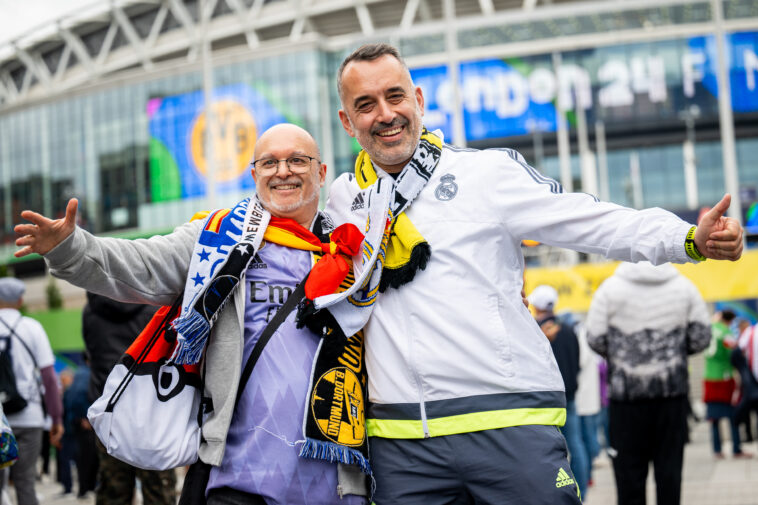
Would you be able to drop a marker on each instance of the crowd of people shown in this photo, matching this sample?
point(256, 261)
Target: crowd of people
point(56, 404)
point(414, 269)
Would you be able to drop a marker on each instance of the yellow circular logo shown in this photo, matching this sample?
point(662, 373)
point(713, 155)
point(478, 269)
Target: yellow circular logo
point(337, 406)
point(233, 134)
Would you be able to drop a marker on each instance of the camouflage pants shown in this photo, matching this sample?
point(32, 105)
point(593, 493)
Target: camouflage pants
point(117, 481)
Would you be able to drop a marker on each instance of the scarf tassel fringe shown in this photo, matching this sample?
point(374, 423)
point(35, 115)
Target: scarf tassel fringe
point(193, 331)
point(396, 277)
point(306, 314)
point(333, 453)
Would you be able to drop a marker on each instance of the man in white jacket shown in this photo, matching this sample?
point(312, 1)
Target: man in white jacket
point(465, 396)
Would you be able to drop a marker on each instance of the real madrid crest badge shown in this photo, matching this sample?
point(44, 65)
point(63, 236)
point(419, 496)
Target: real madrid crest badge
point(447, 188)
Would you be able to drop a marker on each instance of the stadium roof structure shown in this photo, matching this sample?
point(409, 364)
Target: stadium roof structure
point(118, 38)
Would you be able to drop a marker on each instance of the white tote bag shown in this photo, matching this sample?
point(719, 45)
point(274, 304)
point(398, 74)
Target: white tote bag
point(149, 414)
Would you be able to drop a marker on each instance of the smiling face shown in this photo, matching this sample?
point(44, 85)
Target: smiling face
point(382, 109)
point(283, 193)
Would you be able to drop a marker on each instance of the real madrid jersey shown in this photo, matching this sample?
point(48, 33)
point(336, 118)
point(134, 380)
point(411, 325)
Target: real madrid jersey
point(266, 433)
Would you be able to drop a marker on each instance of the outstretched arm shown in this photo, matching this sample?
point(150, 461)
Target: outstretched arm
point(718, 237)
point(536, 207)
point(42, 234)
point(149, 270)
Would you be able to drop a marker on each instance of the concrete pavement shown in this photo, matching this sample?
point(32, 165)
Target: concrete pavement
point(706, 481)
point(49, 493)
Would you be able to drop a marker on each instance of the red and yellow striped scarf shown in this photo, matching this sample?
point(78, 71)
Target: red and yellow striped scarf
point(332, 268)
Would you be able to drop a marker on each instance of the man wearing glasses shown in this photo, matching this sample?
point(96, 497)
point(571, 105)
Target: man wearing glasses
point(254, 448)
point(284, 193)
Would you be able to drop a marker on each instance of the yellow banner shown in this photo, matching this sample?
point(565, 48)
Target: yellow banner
point(716, 280)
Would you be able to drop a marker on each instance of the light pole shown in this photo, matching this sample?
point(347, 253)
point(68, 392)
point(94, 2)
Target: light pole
point(689, 116)
point(726, 120)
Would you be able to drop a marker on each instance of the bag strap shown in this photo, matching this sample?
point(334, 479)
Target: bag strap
point(31, 355)
point(292, 300)
point(159, 331)
point(162, 328)
point(13, 332)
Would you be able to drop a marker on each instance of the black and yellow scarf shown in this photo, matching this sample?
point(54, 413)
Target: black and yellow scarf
point(406, 249)
point(393, 249)
point(334, 423)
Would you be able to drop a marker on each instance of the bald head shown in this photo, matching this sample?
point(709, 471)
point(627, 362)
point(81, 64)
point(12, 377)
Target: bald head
point(286, 132)
point(289, 192)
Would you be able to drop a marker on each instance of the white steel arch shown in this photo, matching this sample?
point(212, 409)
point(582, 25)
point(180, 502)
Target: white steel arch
point(123, 35)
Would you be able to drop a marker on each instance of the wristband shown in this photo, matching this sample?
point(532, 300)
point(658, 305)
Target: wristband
point(690, 247)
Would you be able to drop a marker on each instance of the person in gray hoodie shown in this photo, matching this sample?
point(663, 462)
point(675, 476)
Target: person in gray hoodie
point(645, 320)
point(253, 448)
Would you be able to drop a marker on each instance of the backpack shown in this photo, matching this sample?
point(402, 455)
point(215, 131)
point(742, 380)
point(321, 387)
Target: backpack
point(9, 396)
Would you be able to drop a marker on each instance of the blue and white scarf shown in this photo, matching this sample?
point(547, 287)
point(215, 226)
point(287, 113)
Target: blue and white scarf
point(226, 245)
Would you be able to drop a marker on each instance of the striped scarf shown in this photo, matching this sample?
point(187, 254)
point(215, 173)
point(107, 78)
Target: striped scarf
point(229, 241)
point(393, 249)
point(334, 418)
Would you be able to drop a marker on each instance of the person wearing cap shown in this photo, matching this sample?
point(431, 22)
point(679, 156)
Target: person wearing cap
point(565, 347)
point(30, 351)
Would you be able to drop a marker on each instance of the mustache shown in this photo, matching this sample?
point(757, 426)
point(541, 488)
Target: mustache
point(398, 121)
point(289, 180)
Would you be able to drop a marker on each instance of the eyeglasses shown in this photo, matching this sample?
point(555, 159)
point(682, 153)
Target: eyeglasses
point(298, 164)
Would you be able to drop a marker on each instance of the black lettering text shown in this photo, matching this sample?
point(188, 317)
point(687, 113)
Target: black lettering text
point(254, 291)
point(276, 294)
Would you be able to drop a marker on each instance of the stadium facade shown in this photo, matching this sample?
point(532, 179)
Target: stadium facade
point(644, 103)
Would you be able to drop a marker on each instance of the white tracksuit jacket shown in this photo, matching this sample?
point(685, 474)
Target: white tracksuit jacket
point(455, 350)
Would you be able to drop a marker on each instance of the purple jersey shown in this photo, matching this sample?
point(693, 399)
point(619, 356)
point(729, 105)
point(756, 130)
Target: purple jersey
point(266, 433)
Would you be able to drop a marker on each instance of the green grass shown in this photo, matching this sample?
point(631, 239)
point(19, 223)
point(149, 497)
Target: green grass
point(63, 328)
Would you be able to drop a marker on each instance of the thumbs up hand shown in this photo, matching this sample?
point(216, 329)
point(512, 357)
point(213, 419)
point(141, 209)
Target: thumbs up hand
point(718, 237)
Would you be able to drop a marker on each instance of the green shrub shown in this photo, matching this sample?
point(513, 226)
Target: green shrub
point(54, 298)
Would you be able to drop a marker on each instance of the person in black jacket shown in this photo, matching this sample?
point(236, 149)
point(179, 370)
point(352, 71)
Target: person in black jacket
point(565, 348)
point(109, 327)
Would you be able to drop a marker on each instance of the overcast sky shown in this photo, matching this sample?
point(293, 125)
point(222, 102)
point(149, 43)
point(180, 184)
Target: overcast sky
point(17, 17)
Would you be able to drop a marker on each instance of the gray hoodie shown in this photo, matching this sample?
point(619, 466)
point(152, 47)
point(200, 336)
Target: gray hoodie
point(154, 271)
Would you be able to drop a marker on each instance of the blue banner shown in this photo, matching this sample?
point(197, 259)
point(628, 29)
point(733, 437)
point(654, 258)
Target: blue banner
point(742, 62)
point(646, 81)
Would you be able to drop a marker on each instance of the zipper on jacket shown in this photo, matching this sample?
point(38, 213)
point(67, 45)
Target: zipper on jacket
point(421, 404)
